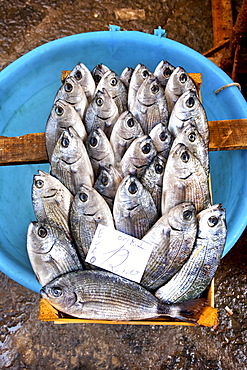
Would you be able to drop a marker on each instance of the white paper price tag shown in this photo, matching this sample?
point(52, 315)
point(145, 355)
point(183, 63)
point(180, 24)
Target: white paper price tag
point(120, 253)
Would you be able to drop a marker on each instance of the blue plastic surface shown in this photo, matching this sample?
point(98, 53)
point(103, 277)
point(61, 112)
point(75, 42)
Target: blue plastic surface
point(27, 89)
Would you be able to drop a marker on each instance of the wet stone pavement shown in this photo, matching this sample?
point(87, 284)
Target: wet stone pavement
point(26, 342)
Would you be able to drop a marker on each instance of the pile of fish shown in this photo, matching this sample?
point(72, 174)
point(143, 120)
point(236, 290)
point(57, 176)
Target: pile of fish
point(129, 153)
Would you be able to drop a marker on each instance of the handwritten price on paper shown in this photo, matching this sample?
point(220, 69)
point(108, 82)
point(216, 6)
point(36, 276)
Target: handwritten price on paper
point(119, 253)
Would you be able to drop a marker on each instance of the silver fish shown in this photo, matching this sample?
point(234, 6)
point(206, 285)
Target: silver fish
point(107, 183)
point(50, 252)
point(126, 75)
point(138, 156)
point(98, 71)
point(185, 180)
point(188, 108)
point(172, 237)
point(88, 210)
point(162, 139)
point(72, 92)
point(70, 162)
point(84, 77)
point(51, 201)
point(62, 116)
point(124, 132)
point(177, 84)
point(102, 112)
point(134, 211)
point(150, 107)
point(140, 73)
point(197, 272)
point(116, 89)
point(99, 150)
point(163, 72)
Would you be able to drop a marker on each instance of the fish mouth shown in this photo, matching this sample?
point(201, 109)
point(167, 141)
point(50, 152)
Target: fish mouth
point(51, 194)
point(146, 105)
point(132, 208)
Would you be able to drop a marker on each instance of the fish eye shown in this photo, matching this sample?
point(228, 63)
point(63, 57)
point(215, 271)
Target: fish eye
point(97, 78)
point(104, 180)
point(145, 73)
point(132, 188)
point(146, 148)
point(113, 81)
point(167, 72)
point(93, 141)
point(185, 156)
point(78, 75)
point(56, 291)
point(83, 197)
point(68, 87)
point(158, 168)
point(130, 122)
point(212, 221)
point(187, 215)
point(190, 102)
point(59, 110)
point(163, 136)
point(183, 77)
point(39, 183)
point(42, 232)
point(155, 88)
point(99, 102)
point(192, 137)
point(65, 142)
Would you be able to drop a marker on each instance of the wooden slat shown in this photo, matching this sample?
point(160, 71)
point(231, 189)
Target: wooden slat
point(30, 148)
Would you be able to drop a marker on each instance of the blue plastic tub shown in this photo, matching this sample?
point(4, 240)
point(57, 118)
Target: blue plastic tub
point(27, 89)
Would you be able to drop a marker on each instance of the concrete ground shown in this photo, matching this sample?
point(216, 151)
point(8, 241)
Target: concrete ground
point(26, 342)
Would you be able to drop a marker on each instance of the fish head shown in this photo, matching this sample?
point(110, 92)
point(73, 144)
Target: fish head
point(108, 180)
point(71, 91)
point(130, 191)
point(180, 81)
point(187, 105)
point(62, 112)
point(103, 104)
point(126, 75)
point(182, 160)
point(161, 137)
point(97, 143)
point(86, 200)
point(67, 147)
point(44, 185)
point(212, 223)
point(150, 91)
point(182, 216)
point(98, 71)
point(129, 127)
point(112, 83)
point(163, 72)
point(143, 150)
point(40, 237)
point(140, 73)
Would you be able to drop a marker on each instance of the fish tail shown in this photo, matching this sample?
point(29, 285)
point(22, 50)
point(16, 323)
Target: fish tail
point(185, 311)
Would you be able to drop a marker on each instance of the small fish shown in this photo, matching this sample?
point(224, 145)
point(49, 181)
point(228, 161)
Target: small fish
point(102, 295)
point(51, 201)
point(116, 89)
point(138, 156)
point(99, 150)
point(163, 72)
point(152, 179)
point(124, 132)
point(107, 183)
point(72, 92)
point(102, 112)
point(197, 272)
point(62, 116)
point(178, 83)
point(162, 139)
point(84, 77)
point(98, 71)
point(70, 162)
point(50, 252)
point(140, 73)
point(188, 108)
point(88, 210)
point(134, 210)
point(126, 75)
point(185, 180)
point(172, 237)
point(150, 107)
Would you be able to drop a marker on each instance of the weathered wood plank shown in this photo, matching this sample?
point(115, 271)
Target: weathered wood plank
point(222, 20)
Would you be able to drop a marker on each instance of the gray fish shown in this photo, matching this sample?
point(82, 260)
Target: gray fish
point(188, 108)
point(197, 272)
point(101, 295)
point(126, 75)
point(150, 107)
point(163, 72)
point(152, 179)
point(102, 112)
point(88, 210)
point(124, 132)
point(51, 201)
point(99, 150)
point(134, 211)
point(178, 83)
point(107, 183)
point(62, 116)
point(116, 89)
point(50, 252)
point(84, 77)
point(172, 237)
point(72, 92)
point(98, 71)
point(138, 156)
point(70, 162)
point(185, 180)
point(140, 73)
point(162, 139)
